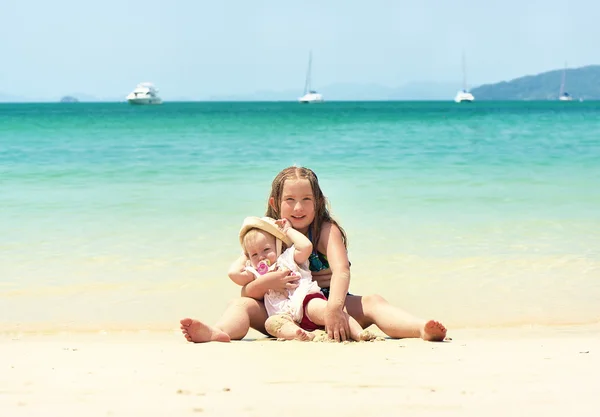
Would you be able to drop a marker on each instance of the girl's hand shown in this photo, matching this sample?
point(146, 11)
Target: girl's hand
point(336, 324)
point(281, 280)
point(284, 225)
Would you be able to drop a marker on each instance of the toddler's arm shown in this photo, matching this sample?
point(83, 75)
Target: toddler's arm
point(302, 245)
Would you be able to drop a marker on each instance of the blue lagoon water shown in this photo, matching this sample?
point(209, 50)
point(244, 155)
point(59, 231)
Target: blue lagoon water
point(478, 214)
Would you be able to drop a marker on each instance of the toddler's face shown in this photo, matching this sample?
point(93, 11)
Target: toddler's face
point(260, 246)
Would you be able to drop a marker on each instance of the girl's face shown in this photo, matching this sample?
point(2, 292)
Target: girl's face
point(260, 246)
point(298, 203)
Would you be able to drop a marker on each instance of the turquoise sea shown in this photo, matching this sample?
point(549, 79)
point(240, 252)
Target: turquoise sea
point(116, 216)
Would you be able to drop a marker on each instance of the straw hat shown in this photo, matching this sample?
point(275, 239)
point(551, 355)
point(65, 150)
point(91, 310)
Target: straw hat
point(266, 224)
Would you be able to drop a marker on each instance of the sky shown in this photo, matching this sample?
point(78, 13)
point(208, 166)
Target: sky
point(196, 49)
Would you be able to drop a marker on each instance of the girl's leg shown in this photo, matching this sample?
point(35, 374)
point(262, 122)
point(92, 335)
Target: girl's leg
point(393, 321)
point(241, 314)
point(357, 332)
point(283, 327)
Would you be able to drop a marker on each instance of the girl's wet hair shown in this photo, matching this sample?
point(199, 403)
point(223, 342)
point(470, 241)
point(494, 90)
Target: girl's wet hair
point(321, 204)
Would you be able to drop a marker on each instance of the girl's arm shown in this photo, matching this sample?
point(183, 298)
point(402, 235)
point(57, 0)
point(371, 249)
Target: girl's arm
point(276, 280)
point(257, 288)
point(251, 287)
point(332, 244)
point(237, 272)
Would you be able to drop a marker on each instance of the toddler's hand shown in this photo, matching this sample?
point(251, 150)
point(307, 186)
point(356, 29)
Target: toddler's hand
point(284, 225)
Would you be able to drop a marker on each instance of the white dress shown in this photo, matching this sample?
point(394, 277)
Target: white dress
point(289, 301)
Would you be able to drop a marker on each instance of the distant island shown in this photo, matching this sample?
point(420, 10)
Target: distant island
point(581, 83)
point(69, 99)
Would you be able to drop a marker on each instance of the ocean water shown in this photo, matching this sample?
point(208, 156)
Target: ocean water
point(119, 216)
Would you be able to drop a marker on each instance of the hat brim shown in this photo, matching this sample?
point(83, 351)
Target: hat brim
point(265, 224)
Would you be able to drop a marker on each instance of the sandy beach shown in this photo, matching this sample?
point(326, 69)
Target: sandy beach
point(492, 371)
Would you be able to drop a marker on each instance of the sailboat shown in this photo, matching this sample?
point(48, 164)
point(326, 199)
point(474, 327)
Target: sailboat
point(464, 95)
point(310, 95)
point(563, 95)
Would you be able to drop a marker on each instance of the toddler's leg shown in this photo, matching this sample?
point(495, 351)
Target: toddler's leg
point(283, 327)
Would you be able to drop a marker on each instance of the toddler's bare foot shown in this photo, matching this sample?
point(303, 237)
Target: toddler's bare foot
point(284, 328)
point(303, 335)
point(198, 332)
point(433, 331)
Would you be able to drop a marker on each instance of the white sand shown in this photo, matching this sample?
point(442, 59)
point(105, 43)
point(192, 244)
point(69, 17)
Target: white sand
point(481, 372)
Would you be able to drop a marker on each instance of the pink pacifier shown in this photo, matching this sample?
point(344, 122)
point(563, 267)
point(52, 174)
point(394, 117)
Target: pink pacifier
point(263, 267)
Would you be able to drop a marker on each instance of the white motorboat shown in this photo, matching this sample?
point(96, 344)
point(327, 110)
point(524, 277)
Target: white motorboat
point(144, 93)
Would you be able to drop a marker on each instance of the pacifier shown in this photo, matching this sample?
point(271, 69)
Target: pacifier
point(263, 267)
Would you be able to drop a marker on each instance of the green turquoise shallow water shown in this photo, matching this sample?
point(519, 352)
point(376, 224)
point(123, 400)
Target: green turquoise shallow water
point(476, 214)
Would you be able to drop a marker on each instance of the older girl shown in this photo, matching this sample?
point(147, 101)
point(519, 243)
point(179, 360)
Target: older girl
point(297, 196)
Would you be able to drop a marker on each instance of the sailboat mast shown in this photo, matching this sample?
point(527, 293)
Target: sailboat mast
point(464, 71)
point(308, 71)
point(564, 80)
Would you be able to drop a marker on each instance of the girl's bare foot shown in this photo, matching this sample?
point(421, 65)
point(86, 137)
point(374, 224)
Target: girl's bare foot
point(198, 332)
point(433, 331)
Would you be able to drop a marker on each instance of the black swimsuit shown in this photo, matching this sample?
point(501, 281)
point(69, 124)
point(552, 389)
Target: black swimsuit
point(316, 261)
